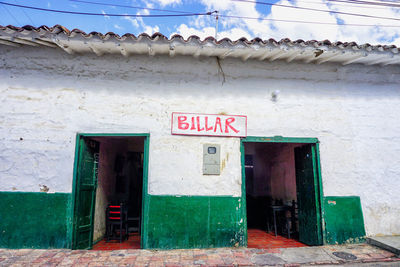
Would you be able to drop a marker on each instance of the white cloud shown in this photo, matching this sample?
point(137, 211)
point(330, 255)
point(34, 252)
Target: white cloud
point(150, 30)
point(139, 24)
point(187, 31)
point(360, 34)
point(133, 21)
point(105, 14)
point(234, 33)
point(235, 28)
point(149, 5)
point(116, 26)
point(167, 2)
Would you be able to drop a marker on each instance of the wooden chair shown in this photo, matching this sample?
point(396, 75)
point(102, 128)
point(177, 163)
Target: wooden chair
point(283, 217)
point(116, 223)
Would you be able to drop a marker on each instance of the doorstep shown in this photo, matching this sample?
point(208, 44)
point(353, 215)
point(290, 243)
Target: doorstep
point(389, 243)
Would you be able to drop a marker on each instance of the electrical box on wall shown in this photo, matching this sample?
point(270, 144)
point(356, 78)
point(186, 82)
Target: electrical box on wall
point(211, 159)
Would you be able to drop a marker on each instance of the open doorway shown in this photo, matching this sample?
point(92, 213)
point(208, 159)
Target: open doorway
point(282, 194)
point(109, 183)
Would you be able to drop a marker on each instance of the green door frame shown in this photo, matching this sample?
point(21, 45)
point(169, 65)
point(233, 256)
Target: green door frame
point(145, 196)
point(280, 139)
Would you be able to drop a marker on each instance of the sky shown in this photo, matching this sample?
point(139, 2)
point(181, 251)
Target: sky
point(283, 19)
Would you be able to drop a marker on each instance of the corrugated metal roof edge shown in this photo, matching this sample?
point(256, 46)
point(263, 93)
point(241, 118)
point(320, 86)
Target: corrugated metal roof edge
point(57, 29)
point(306, 51)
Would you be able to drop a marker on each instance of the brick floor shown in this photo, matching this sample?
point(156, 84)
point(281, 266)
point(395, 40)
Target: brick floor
point(256, 239)
point(297, 256)
point(261, 239)
point(133, 242)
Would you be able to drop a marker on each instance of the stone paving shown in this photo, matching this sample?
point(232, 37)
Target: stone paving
point(324, 255)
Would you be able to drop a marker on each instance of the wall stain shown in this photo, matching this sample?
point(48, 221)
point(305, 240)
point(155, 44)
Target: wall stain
point(24, 98)
point(44, 188)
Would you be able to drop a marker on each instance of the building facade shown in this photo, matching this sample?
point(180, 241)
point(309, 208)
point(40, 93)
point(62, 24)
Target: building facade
point(80, 113)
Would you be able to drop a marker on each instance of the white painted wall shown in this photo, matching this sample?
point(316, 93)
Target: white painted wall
point(47, 96)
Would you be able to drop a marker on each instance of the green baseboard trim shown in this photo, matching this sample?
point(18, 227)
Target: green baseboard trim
point(194, 222)
point(34, 220)
point(344, 222)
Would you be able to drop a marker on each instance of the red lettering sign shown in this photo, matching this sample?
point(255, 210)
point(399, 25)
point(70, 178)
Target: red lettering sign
point(208, 124)
point(181, 123)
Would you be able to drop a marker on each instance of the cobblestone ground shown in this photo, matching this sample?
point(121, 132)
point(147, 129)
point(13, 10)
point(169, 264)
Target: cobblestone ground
point(199, 257)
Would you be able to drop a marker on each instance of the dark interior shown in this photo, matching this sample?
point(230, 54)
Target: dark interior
point(119, 191)
point(271, 187)
point(129, 182)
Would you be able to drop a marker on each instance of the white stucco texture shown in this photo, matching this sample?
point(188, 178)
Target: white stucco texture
point(182, 173)
point(47, 96)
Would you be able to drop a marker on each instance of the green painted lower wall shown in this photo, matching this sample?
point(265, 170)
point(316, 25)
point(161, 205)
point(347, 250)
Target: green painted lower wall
point(344, 222)
point(43, 220)
point(194, 222)
point(34, 220)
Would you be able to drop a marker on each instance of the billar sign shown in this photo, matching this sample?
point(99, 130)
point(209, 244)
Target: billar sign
point(208, 124)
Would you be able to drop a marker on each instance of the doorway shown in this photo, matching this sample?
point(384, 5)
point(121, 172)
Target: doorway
point(282, 190)
point(110, 172)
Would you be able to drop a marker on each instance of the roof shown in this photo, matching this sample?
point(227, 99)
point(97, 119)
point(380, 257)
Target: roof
point(315, 52)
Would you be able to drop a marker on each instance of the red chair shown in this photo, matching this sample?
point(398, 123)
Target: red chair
point(116, 223)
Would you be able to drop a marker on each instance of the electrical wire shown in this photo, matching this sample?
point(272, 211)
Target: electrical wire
point(2, 22)
point(26, 14)
point(105, 4)
point(347, 4)
point(311, 22)
point(343, 4)
point(133, 7)
point(387, 1)
point(202, 14)
point(315, 9)
point(8, 11)
point(362, 2)
point(110, 15)
point(357, 3)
